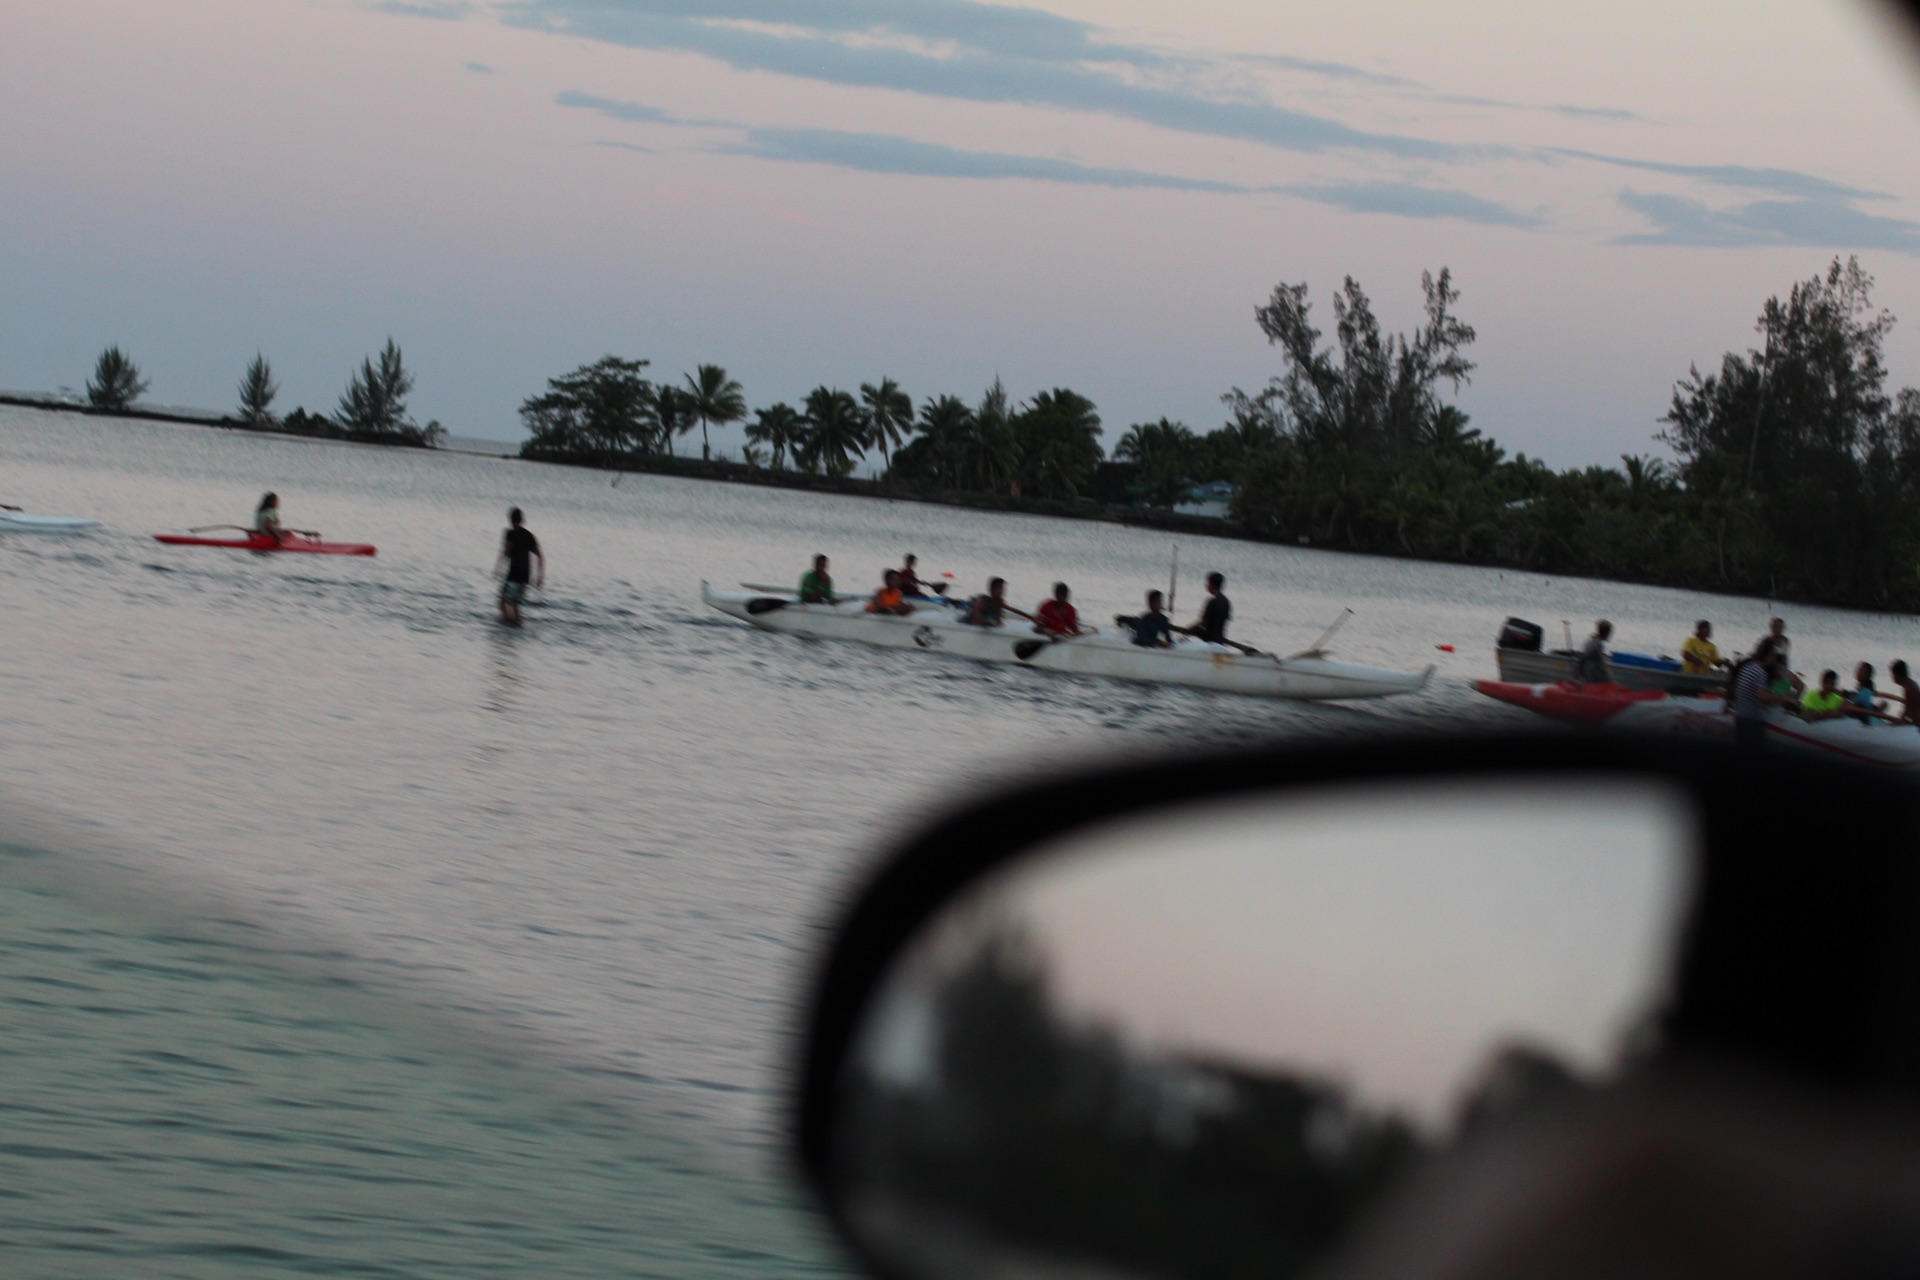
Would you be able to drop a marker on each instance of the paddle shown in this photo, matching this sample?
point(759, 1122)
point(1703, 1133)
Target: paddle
point(766, 604)
point(8, 506)
point(1231, 644)
point(209, 528)
point(1319, 646)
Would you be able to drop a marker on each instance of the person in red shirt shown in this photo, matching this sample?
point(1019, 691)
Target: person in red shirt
point(1057, 616)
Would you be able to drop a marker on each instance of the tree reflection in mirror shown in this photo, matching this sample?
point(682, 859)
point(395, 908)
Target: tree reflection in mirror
point(1208, 1042)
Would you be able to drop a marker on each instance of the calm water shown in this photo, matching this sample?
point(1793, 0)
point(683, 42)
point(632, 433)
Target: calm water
point(605, 846)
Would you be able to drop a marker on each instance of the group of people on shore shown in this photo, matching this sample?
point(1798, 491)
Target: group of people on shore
point(1764, 678)
point(902, 590)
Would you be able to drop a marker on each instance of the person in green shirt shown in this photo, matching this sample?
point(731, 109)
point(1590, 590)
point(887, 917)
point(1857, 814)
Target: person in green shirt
point(816, 585)
point(1826, 702)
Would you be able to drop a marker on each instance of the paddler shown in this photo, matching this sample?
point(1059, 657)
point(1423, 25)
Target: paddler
point(986, 609)
point(1826, 702)
point(1864, 701)
point(1057, 616)
point(266, 521)
point(1592, 667)
point(1153, 629)
point(266, 518)
point(1909, 692)
point(888, 598)
point(816, 584)
point(518, 550)
point(1211, 625)
point(910, 583)
point(1699, 655)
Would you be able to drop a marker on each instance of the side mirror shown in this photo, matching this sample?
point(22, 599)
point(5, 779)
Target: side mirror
point(1208, 1018)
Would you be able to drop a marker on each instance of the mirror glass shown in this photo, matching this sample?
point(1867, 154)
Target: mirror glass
point(1206, 1041)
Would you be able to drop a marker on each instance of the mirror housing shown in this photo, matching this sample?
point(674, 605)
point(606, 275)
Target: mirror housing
point(1795, 956)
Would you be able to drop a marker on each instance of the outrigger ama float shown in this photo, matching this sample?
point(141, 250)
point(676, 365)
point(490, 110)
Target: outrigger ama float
point(937, 628)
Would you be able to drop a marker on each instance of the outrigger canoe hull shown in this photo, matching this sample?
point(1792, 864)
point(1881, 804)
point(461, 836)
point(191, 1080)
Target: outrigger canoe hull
point(1886, 745)
point(22, 522)
point(936, 628)
point(262, 542)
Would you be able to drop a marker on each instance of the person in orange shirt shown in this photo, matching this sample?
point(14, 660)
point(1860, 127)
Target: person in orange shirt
point(1058, 616)
point(888, 598)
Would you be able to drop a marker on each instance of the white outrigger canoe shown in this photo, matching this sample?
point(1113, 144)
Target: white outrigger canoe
point(21, 522)
point(936, 627)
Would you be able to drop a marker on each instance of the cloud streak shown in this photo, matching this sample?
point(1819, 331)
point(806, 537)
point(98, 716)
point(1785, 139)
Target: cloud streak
point(885, 153)
point(1030, 65)
point(1409, 200)
point(1785, 182)
point(1821, 224)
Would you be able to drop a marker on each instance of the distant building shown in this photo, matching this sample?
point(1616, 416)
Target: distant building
point(1211, 500)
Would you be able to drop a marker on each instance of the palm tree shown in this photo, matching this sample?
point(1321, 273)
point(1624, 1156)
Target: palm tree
point(933, 461)
point(889, 415)
point(1163, 452)
point(116, 381)
point(836, 431)
point(714, 397)
point(780, 428)
point(673, 409)
point(1058, 436)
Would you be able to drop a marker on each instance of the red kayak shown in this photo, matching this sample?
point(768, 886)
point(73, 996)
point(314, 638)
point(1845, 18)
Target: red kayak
point(1565, 700)
point(262, 542)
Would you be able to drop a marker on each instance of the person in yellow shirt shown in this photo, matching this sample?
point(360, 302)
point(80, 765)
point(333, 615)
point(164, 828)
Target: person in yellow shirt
point(1700, 656)
point(1824, 703)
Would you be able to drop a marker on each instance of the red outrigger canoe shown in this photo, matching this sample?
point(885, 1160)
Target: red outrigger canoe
point(262, 542)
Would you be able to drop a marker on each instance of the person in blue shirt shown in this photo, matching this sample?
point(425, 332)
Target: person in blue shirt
point(1153, 629)
point(986, 610)
point(1865, 699)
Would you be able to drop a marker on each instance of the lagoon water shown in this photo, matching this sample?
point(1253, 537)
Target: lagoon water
point(596, 856)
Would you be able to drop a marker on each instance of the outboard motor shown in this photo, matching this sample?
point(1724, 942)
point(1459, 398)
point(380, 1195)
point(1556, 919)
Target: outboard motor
point(1518, 633)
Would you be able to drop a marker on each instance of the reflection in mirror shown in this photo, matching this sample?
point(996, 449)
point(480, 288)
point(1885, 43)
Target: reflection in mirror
point(1204, 1042)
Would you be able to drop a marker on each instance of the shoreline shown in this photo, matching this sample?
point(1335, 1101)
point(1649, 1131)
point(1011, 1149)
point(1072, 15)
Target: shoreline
point(1086, 509)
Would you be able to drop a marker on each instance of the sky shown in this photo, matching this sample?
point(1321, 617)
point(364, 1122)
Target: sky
point(1394, 940)
point(1060, 194)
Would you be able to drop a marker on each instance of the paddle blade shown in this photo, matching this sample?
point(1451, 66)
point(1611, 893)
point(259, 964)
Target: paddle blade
point(766, 604)
point(1027, 648)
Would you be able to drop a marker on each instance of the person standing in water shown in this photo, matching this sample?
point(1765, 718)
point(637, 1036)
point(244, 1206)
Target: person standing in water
point(518, 550)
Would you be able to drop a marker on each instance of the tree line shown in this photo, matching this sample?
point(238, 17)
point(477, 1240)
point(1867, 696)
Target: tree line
point(373, 408)
point(1793, 468)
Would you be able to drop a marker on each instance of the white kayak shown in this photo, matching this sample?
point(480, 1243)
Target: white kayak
point(937, 628)
point(21, 522)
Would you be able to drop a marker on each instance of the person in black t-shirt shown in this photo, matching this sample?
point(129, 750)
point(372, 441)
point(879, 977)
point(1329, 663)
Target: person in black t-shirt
point(1211, 625)
point(518, 550)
